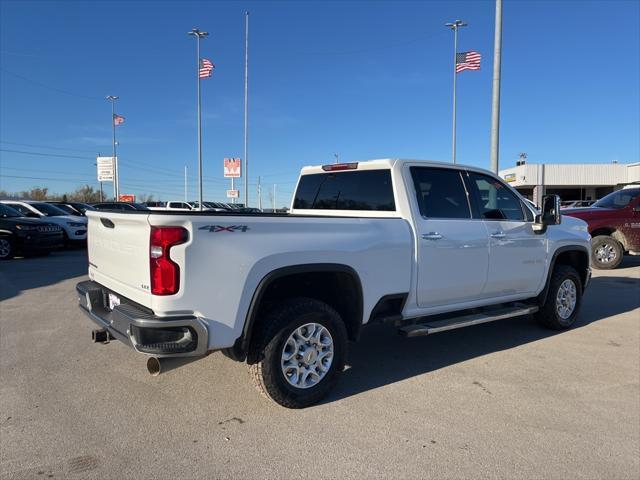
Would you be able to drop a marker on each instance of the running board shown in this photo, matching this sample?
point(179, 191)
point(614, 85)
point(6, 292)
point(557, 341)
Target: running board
point(428, 328)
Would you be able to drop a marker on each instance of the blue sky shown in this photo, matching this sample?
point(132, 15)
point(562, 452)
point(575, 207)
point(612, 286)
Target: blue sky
point(361, 79)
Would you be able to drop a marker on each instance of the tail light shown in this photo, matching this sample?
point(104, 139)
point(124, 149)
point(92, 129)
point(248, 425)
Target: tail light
point(165, 274)
point(334, 167)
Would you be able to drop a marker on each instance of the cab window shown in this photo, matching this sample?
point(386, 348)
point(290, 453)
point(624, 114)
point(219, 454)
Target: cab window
point(493, 200)
point(441, 193)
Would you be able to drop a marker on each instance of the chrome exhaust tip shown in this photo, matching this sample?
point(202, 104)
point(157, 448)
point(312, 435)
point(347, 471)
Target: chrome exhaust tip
point(156, 366)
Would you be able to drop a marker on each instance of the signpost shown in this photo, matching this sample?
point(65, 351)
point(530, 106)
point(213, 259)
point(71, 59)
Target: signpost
point(105, 169)
point(232, 170)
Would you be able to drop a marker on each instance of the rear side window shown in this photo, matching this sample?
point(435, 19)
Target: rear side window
point(441, 193)
point(493, 200)
point(353, 190)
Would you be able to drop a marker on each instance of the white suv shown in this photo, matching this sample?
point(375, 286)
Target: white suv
point(74, 227)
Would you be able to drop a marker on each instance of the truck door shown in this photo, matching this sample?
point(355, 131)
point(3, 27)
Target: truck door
point(517, 255)
point(453, 255)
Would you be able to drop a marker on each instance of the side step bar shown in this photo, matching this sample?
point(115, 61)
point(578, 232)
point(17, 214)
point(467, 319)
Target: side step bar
point(435, 326)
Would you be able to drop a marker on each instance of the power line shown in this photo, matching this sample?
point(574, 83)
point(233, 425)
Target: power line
point(48, 87)
point(22, 152)
point(48, 146)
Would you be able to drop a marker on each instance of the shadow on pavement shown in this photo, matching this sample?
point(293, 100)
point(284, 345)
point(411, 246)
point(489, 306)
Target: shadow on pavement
point(383, 357)
point(21, 274)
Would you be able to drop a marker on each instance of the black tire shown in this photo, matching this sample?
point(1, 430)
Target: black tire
point(548, 314)
point(280, 322)
point(6, 248)
point(606, 252)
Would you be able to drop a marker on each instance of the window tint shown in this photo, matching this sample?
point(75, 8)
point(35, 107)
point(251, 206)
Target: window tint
point(354, 190)
point(619, 199)
point(493, 200)
point(441, 193)
point(24, 210)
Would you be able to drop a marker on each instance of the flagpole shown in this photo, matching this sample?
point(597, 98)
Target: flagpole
point(199, 34)
point(454, 26)
point(116, 186)
point(495, 103)
point(246, 109)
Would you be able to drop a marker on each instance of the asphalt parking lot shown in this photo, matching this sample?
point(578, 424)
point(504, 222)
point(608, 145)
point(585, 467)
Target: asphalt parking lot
point(502, 400)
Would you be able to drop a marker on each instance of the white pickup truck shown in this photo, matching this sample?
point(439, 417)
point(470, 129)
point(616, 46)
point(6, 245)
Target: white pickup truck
point(427, 246)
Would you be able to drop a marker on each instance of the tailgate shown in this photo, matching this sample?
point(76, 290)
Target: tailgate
point(118, 251)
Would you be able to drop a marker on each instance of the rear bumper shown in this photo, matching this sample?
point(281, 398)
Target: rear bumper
point(140, 329)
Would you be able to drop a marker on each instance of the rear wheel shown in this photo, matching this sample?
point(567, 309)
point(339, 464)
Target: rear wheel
point(301, 354)
point(564, 299)
point(6, 248)
point(606, 252)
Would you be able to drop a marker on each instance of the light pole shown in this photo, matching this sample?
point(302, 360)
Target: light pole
point(246, 109)
point(199, 35)
point(454, 26)
point(495, 101)
point(116, 193)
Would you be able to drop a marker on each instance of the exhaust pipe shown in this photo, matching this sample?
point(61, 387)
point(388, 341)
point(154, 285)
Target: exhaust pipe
point(101, 336)
point(156, 366)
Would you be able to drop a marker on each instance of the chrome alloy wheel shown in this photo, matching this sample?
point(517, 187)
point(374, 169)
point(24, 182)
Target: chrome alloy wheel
point(566, 299)
point(605, 253)
point(5, 248)
point(307, 355)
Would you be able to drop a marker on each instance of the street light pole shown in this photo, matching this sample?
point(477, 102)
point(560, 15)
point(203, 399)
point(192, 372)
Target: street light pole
point(454, 26)
point(495, 103)
point(246, 109)
point(116, 186)
point(199, 34)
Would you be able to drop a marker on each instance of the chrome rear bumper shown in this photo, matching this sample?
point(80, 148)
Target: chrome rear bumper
point(139, 328)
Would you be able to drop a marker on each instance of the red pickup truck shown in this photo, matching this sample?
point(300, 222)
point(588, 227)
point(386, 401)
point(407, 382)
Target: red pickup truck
point(614, 225)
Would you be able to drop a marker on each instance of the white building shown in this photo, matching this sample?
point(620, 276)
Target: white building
point(571, 181)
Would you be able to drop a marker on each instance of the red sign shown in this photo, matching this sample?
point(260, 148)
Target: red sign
point(126, 197)
point(232, 167)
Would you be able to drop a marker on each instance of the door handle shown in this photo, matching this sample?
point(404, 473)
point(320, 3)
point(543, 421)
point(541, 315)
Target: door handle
point(431, 236)
point(498, 235)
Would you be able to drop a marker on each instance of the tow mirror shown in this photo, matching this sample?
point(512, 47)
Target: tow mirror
point(550, 214)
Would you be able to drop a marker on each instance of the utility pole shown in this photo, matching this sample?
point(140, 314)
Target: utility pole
point(274, 198)
point(454, 26)
point(495, 102)
point(186, 199)
point(246, 109)
point(335, 155)
point(259, 195)
point(116, 186)
point(199, 35)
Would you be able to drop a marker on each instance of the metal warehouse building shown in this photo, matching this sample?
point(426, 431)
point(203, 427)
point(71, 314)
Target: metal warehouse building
point(570, 181)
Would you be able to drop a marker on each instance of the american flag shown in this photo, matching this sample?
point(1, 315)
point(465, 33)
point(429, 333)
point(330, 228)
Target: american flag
point(206, 68)
point(467, 61)
point(117, 119)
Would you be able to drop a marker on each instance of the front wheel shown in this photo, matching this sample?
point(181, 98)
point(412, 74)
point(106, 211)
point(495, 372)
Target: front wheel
point(301, 354)
point(6, 248)
point(564, 299)
point(606, 252)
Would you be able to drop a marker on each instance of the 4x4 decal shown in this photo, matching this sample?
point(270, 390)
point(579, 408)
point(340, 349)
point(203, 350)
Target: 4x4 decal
point(225, 228)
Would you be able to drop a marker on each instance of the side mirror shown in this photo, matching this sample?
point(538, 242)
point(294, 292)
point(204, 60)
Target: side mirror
point(550, 214)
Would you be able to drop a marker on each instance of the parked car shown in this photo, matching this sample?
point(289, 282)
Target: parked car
point(118, 206)
point(614, 224)
point(74, 227)
point(25, 236)
point(73, 208)
point(425, 246)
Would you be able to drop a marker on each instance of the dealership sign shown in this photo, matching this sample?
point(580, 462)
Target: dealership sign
point(510, 177)
point(126, 197)
point(232, 167)
point(233, 193)
point(105, 169)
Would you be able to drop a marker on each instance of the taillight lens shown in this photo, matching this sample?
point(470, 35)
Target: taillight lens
point(165, 274)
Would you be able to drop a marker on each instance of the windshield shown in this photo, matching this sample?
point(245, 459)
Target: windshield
point(48, 210)
point(8, 212)
point(619, 199)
